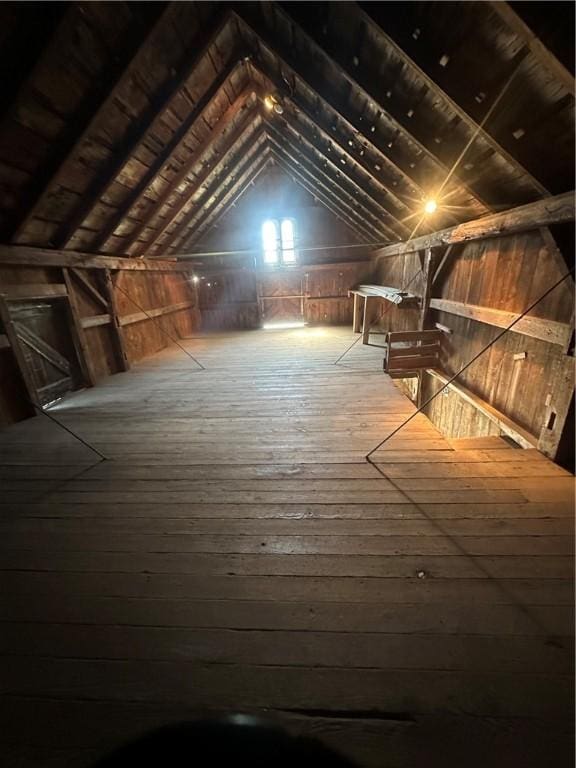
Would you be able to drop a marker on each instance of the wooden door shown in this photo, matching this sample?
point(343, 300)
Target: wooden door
point(281, 297)
point(44, 338)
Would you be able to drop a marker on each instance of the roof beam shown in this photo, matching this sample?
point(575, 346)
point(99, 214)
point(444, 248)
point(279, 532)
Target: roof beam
point(336, 56)
point(403, 168)
point(326, 202)
point(537, 47)
point(210, 195)
point(215, 135)
point(339, 170)
point(348, 163)
point(162, 160)
point(27, 256)
point(551, 210)
point(331, 189)
point(237, 140)
point(229, 202)
point(83, 123)
point(137, 131)
point(249, 171)
point(323, 193)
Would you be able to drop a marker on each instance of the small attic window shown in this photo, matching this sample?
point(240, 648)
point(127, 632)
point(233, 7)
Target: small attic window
point(279, 242)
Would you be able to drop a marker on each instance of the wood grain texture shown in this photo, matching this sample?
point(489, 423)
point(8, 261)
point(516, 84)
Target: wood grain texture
point(235, 551)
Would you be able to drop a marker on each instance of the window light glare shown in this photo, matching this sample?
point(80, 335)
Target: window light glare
point(430, 206)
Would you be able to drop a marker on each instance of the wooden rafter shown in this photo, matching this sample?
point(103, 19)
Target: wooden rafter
point(217, 189)
point(319, 133)
point(212, 191)
point(80, 128)
point(218, 130)
point(134, 136)
point(311, 186)
point(537, 47)
point(289, 63)
point(338, 59)
point(312, 138)
point(322, 182)
point(330, 190)
point(164, 158)
point(231, 200)
point(321, 198)
point(230, 197)
point(353, 191)
point(246, 134)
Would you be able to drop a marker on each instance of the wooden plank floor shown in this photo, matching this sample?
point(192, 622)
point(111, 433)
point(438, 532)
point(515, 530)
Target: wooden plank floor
point(236, 552)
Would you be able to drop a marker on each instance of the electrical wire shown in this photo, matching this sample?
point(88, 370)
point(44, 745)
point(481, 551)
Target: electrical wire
point(467, 365)
point(165, 332)
point(66, 429)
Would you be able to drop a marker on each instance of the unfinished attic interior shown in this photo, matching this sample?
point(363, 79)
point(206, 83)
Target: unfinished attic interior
point(287, 383)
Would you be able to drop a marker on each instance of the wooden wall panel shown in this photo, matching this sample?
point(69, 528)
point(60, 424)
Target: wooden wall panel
point(313, 293)
point(153, 291)
point(526, 379)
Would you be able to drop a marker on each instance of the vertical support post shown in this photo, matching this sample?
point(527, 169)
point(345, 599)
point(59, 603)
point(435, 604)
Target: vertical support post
point(426, 289)
point(367, 319)
point(77, 330)
point(428, 276)
point(117, 333)
point(357, 314)
point(21, 361)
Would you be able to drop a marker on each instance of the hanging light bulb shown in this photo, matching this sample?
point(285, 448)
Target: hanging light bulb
point(430, 206)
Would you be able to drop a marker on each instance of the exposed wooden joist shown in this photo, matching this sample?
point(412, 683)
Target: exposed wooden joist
point(319, 137)
point(235, 140)
point(509, 427)
point(354, 191)
point(136, 133)
point(33, 291)
point(310, 78)
point(327, 202)
point(324, 181)
point(535, 327)
point(537, 47)
point(23, 255)
point(315, 177)
point(82, 126)
point(212, 196)
point(215, 135)
point(164, 157)
point(230, 197)
point(551, 210)
point(474, 128)
point(311, 186)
